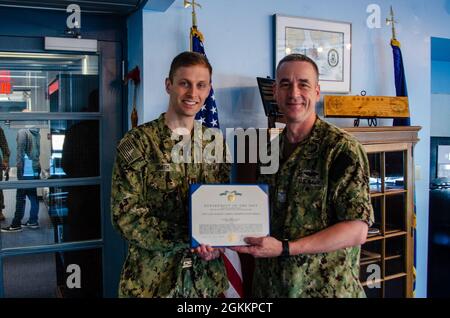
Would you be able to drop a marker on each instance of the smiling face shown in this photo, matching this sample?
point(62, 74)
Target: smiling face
point(188, 90)
point(297, 91)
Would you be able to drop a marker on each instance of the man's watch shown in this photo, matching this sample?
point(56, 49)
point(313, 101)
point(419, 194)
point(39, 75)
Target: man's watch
point(285, 252)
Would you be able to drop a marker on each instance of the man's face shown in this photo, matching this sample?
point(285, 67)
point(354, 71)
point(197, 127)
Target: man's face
point(188, 90)
point(297, 91)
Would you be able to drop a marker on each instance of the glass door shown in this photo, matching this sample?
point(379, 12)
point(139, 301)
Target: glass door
point(52, 180)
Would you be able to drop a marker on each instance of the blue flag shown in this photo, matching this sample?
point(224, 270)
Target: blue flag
point(400, 80)
point(207, 115)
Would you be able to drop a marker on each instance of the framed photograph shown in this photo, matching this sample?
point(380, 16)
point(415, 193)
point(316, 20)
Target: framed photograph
point(328, 43)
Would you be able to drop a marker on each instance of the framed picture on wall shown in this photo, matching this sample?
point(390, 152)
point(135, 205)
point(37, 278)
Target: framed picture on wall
point(328, 43)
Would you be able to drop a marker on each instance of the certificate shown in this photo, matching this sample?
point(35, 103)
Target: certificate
point(223, 215)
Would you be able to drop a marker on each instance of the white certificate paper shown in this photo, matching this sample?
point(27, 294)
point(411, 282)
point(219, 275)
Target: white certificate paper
point(223, 215)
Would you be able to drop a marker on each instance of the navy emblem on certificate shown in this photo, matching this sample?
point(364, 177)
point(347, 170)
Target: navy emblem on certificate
point(224, 214)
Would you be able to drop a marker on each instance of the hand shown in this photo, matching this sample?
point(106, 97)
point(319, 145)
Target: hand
point(261, 247)
point(5, 165)
point(207, 252)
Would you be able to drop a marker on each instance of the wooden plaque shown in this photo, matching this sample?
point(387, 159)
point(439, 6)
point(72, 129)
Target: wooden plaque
point(366, 106)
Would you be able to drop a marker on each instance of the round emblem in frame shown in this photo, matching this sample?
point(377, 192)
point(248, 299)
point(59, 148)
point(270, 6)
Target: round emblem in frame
point(333, 58)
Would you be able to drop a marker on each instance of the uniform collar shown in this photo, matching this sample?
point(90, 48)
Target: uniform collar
point(313, 137)
point(166, 131)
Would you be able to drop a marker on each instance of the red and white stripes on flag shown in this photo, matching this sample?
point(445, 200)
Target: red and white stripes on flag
point(234, 273)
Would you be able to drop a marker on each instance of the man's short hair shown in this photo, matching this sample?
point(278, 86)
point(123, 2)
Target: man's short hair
point(295, 57)
point(186, 59)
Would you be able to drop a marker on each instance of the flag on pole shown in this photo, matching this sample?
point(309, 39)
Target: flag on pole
point(400, 79)
point(209, 117)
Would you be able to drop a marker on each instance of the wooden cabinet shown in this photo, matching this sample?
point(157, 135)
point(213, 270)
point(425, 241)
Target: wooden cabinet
point(387, 256)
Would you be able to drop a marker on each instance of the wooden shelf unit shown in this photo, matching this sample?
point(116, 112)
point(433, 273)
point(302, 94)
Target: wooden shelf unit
point(390, 152)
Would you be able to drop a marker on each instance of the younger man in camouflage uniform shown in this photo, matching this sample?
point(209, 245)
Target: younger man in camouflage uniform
point(320, 200)
point(150, 196)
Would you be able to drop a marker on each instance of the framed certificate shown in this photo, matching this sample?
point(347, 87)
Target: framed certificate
point(222, 215)
point(328, 43)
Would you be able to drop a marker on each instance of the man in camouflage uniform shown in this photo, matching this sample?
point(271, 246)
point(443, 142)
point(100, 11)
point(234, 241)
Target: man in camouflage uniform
point(320, 203)
point(150, 195)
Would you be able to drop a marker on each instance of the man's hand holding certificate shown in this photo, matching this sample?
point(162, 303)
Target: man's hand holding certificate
point(222, 215)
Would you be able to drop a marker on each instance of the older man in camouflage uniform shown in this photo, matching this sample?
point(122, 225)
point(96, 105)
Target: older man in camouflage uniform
point(320, 199)
point(150, 195)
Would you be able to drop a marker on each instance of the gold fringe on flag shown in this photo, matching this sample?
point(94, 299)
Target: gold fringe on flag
point(196, 32)
point(395, 42)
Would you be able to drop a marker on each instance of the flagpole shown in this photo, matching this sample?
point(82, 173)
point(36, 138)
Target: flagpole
point(192, 4)
point(392, 21)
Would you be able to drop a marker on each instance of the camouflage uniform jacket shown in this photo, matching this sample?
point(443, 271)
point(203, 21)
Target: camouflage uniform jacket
point(149, 209)
point(324, 181)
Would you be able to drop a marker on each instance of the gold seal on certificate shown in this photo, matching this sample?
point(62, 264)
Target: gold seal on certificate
point(232, 238)
point(224, 214)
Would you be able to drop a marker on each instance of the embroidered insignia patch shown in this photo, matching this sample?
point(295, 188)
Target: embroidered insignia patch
point(127, 150)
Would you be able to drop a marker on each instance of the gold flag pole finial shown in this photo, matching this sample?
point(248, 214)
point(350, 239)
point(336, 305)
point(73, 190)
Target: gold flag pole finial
point(192, 4)
point(392, 22)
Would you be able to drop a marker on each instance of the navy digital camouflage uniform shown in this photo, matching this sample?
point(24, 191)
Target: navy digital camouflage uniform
point(324, 181)
point(149, 209)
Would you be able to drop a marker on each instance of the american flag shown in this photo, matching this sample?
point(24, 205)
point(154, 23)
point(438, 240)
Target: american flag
point(209, 117)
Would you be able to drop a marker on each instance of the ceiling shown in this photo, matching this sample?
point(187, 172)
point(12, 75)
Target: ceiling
point(117, 7)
